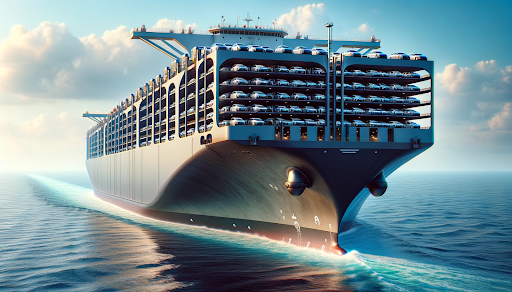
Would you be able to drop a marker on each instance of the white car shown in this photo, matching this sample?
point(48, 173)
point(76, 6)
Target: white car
point(396, 99)
point(410, 124)
point(377, 54)
point(358, 123)
point(236, 121)
point(346, 73)
point(210, 103)
point(257, 94)
point(373, 86)
point(346, 124)
point(345, 98)
point(238, 108)
point(299, 96)
point(317, 71)
point(357, 85)
point(238, 94)
point(411, 75)
point(283, 49)
point(224, 123)
point(372, 111)
point(321, 109)
point(384, 112)
point(281, 95)
point(373, 73)
point(191, 110)
point(373, 123)
point(201, 128)
point(255, 48)
point(297, 122)
point(218, 46)
point(296, 69)
point(301, 50)
point(396, 124)
point(318, 96)
point(190, 131)
point(310, 122)
point(171, 137)
point(260, 108)
point(282, 122)
point(310, 83)
point(395, 86)
point(412, 100)
point(172, 118)
point(209, 116)
point(295, 109)
point(209, 126)
point(351, 53)
point(298, 83)
point(347, 111)
point(267, 49)
point(358, 73)
point(239, 81)
point(225, 109)
point(358, 98)
point(280, 82)
point(347, 86)
point(318, 51)
point(256, 122)
point(239, 67)
point(418, 57)
point(225, 96)
point(320, 122)
point(260, 68)
point(309, 109)
point(410, 112)
point(384, 86)
point(400, 56)
point(373, 98)
point(385, 99)
point(396, 74)
point(259, 81)
point(281, 69)
point(396, 112)
point(321, 84)
point(412, 88)
point(281, 109)
point(239, 47)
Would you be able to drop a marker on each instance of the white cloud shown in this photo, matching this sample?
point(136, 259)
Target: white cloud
point(300, 19)
point(174, 24)
point(488, 67)
point(364, 28)
point(454, 78)
point(503, 119)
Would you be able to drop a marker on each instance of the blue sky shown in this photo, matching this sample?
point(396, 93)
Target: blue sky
point(59, 58)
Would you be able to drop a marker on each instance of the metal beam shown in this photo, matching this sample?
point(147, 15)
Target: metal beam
point(171, 46)
point(94, 117)
point(147, 41)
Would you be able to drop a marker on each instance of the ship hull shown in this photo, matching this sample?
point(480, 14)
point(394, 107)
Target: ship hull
point(238, 187)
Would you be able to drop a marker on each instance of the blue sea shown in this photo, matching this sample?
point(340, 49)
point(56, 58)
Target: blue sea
point(431, 231)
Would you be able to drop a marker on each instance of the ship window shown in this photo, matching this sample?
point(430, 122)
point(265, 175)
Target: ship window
point(373, 135)
point(286, 133)
point(320, 134)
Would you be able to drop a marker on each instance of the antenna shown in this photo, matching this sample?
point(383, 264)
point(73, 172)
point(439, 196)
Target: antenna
point(248, 19)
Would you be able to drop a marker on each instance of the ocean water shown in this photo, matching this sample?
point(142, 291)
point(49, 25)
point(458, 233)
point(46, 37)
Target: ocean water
point(431, 231)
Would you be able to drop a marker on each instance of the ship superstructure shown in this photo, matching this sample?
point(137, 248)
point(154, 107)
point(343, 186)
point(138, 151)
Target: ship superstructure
point(284, 145)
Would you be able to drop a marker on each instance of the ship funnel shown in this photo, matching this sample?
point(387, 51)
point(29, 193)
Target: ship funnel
point(297, 181)
point(378, 185)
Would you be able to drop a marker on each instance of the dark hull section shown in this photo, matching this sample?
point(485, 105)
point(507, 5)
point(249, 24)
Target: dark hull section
point(241, 188)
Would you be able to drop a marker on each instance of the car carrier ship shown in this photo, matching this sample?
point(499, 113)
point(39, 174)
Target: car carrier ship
point(256, 138)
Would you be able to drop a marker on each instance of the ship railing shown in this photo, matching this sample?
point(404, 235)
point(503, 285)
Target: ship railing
point(425, 89)
point(319, 37)
point(256, 26)
point(171, 30)
point(425, 128)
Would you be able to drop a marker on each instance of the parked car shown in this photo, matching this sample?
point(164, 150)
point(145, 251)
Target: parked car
point(209, 116)
point(410, 124)
point(384, 86)
point(318, 96)
point(310, 83)
point(282, 122)
point(418, 57)
point(281, 109)
point(358, 123)
point(259, 81)
point(399, 56)
point(318, 51)
point(320, 122)
point(373, 73)
point(412, 75)
point(238, 108)
point(373, 86)
point(190, 131)
point(358, 73)
point(299, 96)
point(256, 122)
point(280, 82)
point(358, 98)
point(201, 128)
point(358, 111)
point(225, 96)
point(297, 122)
point(347, 86)
point(225, 109)
point(395, 86)
point(385, 99)
point(347, 73)
point(396, 99)
point(410, 112)
point(260, 68)
point(373, 123)
point(281, 95)
point(297, 69)
point(224, 69)
point(310, 122)
point(301, 50)
point(228, 46)
point(317, 71)
point(395, 124)
point(224, 123)
point(238, 94)
point(239, 67)
point(257, 94)
point(372, 111)
point(218, 46)
point(412, 100)
point(267, 49)
point(351, 53)
point(384, 112)
point(255, 48)
point(321, 109)
point(373, 98)
point(209, 126)
point(239, 81)
point(260, 108)
point(191, 110)
point(357, 85)
point(345, 98)
point(396, 74)
point(239, 47)
point(236, 121)
point(298, 83)
point(309, 109)
point(377, 54)
point(281, 69)
point(347, 111)
point(283, 49)
point(295, 109)
point(411, 87)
